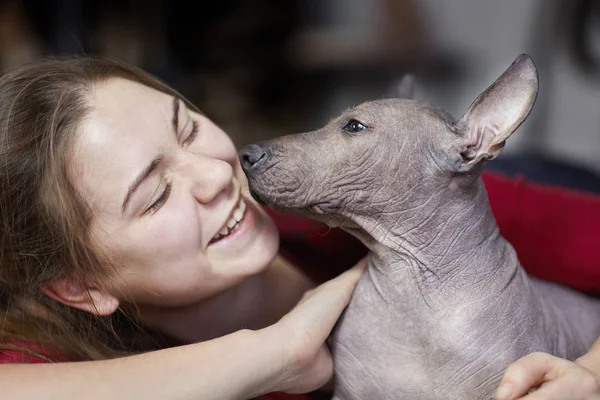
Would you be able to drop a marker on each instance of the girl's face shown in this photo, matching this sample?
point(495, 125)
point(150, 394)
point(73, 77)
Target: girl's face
point(170, 204)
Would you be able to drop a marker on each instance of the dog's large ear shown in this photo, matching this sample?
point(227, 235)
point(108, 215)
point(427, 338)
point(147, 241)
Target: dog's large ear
point(405, 89)
point(496, 114)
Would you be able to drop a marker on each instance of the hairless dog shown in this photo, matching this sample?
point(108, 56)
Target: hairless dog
point(444, 306)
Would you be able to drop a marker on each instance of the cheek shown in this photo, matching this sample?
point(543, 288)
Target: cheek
point(173, 234)
point(165, 241)
point(162, 262)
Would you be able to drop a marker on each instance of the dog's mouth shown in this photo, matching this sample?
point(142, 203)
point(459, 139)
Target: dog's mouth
point(318, 210)
point(257, 197)
point(289, 200)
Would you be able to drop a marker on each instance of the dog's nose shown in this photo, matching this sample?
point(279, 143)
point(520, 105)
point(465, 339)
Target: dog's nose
point(253, 157)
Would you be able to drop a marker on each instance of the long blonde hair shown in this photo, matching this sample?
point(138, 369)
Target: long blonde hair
point(44, 223)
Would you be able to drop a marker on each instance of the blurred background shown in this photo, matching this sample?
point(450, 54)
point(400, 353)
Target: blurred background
point(261, 68)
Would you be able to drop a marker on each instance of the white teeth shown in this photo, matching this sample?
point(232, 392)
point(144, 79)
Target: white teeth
point(236, 217)
point(238, 214)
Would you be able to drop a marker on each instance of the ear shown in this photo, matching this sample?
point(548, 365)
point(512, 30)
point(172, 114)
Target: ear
point(405, 89)
point(72, 294)
point(497, 113)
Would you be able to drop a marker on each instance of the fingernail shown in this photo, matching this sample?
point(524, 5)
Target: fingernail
point(504, 392)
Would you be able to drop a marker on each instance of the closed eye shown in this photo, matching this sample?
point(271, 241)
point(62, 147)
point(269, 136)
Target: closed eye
point(190, 138)
point(161, 200)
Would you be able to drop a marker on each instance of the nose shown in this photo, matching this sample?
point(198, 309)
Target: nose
point(254, 157)
point(208, 177)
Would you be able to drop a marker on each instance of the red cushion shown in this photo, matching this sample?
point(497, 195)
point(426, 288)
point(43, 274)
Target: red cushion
point(555, 231)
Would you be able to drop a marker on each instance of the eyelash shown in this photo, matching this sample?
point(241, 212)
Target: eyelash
point(161, 200)
point(192, 134)
point(167, 192)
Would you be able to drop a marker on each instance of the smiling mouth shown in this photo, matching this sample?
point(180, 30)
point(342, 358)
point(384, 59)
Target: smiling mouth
point(233, 223)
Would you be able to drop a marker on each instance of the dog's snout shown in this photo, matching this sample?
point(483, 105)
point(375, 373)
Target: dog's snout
point(253, 157)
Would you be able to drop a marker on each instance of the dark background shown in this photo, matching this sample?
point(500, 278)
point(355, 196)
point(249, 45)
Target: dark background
point(263, 68)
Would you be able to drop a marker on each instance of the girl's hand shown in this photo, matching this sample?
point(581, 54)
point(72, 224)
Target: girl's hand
point(551, 378)
point(306, 361)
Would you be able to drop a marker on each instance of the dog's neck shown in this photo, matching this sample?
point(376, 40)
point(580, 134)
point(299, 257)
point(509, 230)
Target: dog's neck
point(448, 245)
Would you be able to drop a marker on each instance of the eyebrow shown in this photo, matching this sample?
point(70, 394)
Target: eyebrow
point(138, 181)
point(154, 163)
point(175, 120)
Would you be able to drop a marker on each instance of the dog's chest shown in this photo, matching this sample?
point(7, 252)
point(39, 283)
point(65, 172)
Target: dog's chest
point(389, 346)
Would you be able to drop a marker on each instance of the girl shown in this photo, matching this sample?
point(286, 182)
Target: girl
point(119, 201)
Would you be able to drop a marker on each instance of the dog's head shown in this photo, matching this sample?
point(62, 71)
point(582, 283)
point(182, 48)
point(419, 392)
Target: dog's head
point(388, 154)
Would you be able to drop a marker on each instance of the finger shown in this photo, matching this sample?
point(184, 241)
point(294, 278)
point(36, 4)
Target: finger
point(319, 312)
point(527, 373)
point(566, 388)
point(348, 280)
point(363, 263)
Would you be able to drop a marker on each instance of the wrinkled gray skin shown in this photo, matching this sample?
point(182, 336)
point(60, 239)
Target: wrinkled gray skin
point(444, 306)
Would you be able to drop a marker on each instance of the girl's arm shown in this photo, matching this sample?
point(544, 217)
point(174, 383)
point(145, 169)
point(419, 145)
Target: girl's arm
point(233, 367)
point(288, 356)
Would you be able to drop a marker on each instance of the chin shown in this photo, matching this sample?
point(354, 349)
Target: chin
point(265, 249)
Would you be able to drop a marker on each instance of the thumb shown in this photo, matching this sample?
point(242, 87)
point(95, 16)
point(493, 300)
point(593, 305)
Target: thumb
point(527, 373)
point(320, 309)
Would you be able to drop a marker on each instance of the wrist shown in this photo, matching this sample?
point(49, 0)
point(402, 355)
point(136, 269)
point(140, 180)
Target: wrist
point(590, 361)
point(270, 364)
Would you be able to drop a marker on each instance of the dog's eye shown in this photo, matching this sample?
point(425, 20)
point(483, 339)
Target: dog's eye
point(354, 126)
